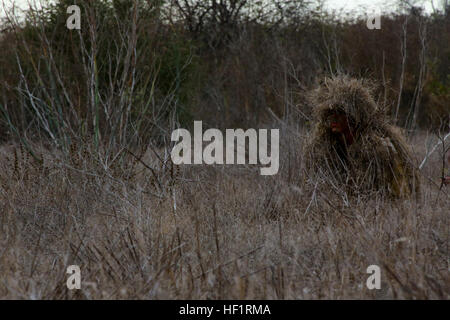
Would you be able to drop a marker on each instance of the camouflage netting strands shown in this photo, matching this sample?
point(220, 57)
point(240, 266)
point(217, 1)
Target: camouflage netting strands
point(360, 151)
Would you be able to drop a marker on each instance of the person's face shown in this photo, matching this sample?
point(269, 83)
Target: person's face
point(338, 123)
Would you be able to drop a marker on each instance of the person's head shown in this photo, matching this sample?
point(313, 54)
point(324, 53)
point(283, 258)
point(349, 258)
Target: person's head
point(345, 97)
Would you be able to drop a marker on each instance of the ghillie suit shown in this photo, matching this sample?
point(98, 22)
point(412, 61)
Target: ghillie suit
point(354, 145)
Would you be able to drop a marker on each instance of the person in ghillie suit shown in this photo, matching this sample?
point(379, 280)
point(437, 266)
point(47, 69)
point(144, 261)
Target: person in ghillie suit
point(354, 144)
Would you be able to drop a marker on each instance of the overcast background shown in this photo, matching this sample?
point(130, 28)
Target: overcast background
point(338, 5)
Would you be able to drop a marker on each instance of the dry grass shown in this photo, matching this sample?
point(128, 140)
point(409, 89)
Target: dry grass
point(210, 232)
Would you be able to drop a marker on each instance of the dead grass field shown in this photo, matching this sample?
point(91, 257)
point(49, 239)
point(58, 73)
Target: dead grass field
point(213, 232)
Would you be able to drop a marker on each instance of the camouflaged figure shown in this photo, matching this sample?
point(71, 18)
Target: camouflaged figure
point(353, 143)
